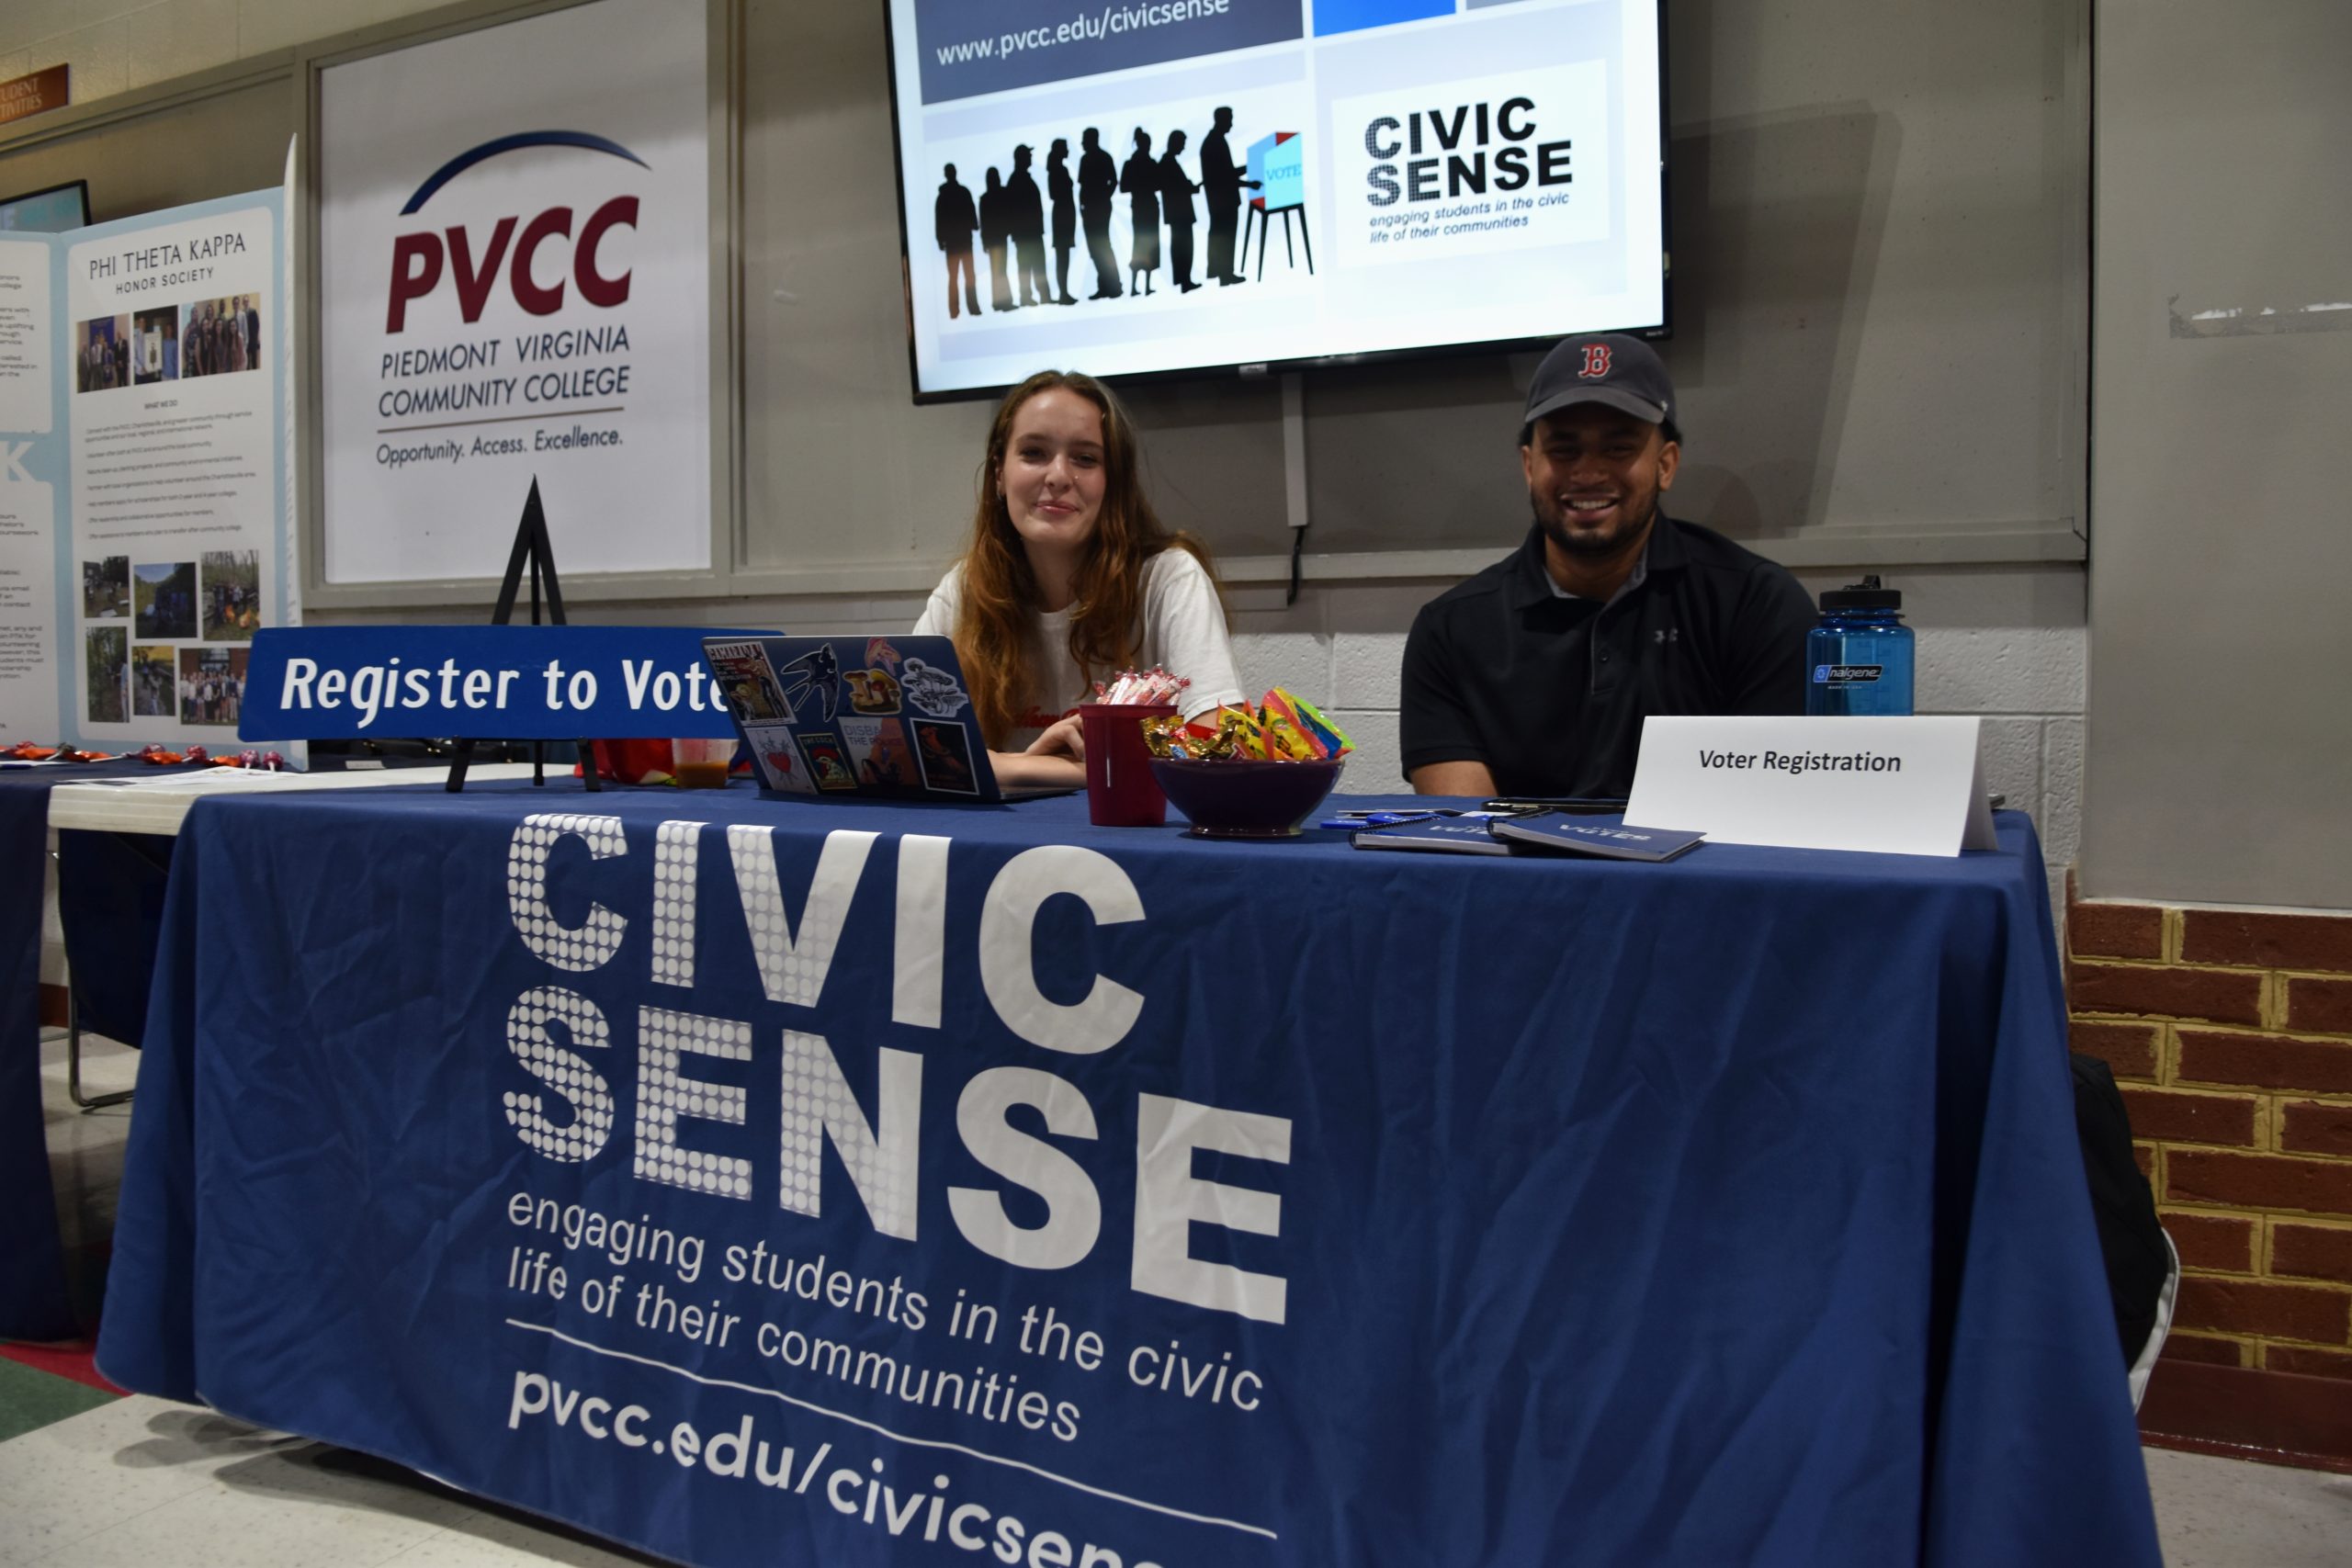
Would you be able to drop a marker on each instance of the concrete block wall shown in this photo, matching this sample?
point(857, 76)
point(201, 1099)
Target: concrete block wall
point(2230, 1032)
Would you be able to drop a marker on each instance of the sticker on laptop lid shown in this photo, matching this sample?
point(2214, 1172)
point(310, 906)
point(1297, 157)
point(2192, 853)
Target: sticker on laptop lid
point(874, 691)
point(944, 755)
point(748, 683)
point(879, 753)
point(933, 691)
point(814, 677)
point(827, 764)
point(781, 768)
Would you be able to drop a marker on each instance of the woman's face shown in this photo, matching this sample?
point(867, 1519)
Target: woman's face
point(1052, 479)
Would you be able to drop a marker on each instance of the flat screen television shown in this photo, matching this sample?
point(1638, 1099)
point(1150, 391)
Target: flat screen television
point(49, 211)
point(1332, 178)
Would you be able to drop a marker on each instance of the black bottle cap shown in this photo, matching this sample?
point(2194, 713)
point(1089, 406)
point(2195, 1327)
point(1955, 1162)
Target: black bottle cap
point(1863, 595)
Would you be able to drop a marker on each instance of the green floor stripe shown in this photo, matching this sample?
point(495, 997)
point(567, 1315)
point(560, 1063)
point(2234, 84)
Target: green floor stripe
point(30, 1400)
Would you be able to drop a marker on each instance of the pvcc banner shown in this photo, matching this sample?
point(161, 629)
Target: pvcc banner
point(483, 682)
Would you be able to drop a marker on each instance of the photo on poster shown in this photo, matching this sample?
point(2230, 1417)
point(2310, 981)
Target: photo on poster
point(154, 683)
point(944, 756)
point(102, 354)
point(164, 600)
point(105, 589)
point(218, 337)
point(827, 766)
point(230, 580)
point(155, 347)
point(780, 766)
point(212, 684)
point(878, 750)
point(106, 656)
point(750, 685)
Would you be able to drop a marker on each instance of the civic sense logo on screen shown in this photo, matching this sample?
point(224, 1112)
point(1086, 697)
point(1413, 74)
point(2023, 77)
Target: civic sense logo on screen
point(472, 262)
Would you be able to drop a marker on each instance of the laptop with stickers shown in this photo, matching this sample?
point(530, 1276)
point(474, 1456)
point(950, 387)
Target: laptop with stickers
point(857, 718)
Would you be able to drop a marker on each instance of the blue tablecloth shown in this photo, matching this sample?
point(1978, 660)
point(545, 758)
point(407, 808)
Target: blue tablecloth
point(34, 1300)
point(927, 1181)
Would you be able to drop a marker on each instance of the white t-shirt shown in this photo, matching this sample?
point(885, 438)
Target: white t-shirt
point(1183, 629)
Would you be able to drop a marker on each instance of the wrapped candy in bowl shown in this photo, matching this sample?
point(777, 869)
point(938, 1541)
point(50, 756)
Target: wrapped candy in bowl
point(1244, 773)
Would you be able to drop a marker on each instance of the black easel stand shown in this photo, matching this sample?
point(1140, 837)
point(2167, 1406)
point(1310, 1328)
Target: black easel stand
point(532, 549)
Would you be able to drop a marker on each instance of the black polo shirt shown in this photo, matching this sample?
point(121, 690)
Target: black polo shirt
point(1550, 693)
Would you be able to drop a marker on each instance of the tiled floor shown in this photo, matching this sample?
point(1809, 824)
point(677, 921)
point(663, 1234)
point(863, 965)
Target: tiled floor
point(143, 1483)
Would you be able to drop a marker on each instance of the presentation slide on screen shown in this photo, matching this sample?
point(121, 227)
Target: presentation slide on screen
point(1158, 184)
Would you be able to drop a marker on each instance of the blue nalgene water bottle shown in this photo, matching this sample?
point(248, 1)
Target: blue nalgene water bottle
point(1857, 661)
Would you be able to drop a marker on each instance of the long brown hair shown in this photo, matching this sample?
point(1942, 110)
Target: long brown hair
point(999, 590)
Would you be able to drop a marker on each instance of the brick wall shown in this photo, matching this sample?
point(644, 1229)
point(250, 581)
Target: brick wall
point(2230, 1033)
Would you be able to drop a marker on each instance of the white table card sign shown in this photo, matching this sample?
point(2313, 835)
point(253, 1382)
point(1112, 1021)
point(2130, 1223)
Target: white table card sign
point(1905, 786)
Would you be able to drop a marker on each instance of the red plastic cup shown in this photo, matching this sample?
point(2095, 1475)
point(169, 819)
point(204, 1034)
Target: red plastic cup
point(1120, 790)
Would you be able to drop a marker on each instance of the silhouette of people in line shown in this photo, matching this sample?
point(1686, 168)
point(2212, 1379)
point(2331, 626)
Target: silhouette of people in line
point(995, 228)
point(955, 220)
point(1011, 219)
point(1028, 212)
point(1097, 179)
point(1139, 177)
point(1222, 183)
point(1176, 188)
point(1059, 190)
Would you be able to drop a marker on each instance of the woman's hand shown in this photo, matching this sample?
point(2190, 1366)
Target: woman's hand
point(1055, 758)
point(1064, 739)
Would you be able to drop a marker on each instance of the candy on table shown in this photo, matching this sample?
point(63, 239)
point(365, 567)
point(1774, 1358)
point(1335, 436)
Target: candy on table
point(1283, 729)
point(1286, 736)
point(1334, 739)
point(1141, 688)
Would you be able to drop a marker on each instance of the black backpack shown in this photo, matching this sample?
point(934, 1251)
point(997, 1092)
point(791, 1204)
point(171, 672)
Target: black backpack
point(2129, 1236)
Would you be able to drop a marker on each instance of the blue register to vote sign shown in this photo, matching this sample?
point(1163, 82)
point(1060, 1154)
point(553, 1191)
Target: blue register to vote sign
point(484, 682)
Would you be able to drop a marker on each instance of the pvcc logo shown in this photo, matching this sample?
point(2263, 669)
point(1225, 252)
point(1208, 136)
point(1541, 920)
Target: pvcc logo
point(420, 259)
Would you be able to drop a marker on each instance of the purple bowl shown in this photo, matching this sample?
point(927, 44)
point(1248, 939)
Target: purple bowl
point(1245, 799)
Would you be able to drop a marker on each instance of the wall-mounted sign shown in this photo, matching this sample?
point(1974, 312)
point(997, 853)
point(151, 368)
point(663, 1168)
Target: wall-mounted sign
point(31, 94)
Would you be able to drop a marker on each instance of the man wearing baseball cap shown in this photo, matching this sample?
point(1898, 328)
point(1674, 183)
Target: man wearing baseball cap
point(1533, 677)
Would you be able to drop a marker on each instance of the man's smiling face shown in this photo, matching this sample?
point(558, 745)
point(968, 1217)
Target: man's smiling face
point(1594, 474)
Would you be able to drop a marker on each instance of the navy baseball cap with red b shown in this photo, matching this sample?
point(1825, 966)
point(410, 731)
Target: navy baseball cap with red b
point(1609, 368)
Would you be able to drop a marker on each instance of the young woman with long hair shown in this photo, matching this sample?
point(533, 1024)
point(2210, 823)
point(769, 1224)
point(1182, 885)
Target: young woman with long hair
point(1070, 577)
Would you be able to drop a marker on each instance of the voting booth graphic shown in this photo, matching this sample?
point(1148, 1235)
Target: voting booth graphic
point(1278, 169)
